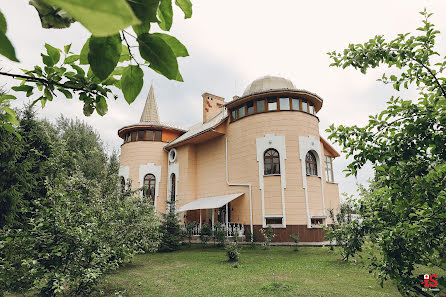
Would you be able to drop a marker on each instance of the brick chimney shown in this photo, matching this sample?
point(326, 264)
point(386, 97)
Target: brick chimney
point(211, 106)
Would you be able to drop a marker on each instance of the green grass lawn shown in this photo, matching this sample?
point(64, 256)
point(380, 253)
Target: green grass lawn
point(311, 271)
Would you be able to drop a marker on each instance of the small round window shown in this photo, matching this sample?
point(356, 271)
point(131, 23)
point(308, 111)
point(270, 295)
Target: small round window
point(172, 155)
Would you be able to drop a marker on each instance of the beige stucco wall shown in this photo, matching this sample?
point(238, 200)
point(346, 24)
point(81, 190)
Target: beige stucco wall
point(202, 169)
point(135, 154)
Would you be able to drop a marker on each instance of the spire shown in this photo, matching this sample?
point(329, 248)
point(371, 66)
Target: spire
point(150, 111)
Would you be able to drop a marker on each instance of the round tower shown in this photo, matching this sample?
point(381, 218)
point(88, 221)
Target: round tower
point(143, 161)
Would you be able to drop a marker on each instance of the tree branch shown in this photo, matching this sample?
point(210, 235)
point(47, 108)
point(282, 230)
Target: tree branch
point(46, 82)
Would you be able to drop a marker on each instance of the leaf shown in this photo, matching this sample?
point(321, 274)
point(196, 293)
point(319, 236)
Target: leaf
point(3, 25)
point(11, 119)
point(104, 54)
point(83, 60)
point(125, 54)
point(71, 59)
point(6, 48)
point(53, 53)
point(8, 97)
point(132, 82)
point(144, 27)
point(159, 54)
point(9, 111)
point(175, 45)
point(22, 88)
point(88, 109)
point(165, 13)
point(67, 93)
point(186, 7)
point(101, 106)
point(145, 10)
point(67, 48)
point(101, 18)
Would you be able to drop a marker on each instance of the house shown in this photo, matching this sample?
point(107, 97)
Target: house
point(255, 161)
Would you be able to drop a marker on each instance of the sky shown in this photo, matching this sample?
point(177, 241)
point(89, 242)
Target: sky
point(231, 43)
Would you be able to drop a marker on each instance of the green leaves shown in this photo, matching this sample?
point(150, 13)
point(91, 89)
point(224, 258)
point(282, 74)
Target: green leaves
point(101, 18)
point(6, 48)
point(166, 14)
point(104, 54)
point(175, 45)
point(53, 56)
point(186, 7)
point(132, 82)
point(84, 53)
point(101, 106)
point(145, 10)
point(158, 53)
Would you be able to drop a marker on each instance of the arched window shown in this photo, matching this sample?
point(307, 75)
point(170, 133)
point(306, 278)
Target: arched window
point(122, 184)
point(310, 162)
point(272, 161)
point(149, 186)
point(172, 187)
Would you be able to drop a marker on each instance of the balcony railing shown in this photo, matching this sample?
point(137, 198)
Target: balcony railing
point(231, 229)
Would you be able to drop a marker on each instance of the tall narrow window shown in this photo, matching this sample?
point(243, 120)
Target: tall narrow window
point(234, 115)
point(141, 135)
point(134, 136)
point(271, 162)
point(122, 184)
point(241, 111)
point(329, 169)
point(250, 107)
point(305, 105)
point(284, 103)
point(311, 165)
point(149, 187)
point(149, 135)
point(272, 104)
point(158, 136)
point(260, 105)
point(311, 108)
point(172, 186)
point(295, 103)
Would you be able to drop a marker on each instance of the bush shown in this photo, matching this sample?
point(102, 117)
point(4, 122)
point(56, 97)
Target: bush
point(68, 229)
point(233, 249)
point(205, 233)
point(296, 240)
point(171, 233)
point(268, 236)
point(252, 238)
point(189, 230)
point(219, 234)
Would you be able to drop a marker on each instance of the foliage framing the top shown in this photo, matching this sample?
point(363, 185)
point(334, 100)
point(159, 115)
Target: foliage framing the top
point(109, 44)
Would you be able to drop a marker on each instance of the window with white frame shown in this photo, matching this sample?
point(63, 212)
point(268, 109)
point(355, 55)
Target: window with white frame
point(329, 169)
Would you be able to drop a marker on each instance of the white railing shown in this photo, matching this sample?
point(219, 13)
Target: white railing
point(231, 229)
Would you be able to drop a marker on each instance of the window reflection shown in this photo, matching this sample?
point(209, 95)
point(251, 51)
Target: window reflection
point(284, 103)
point(272, 104)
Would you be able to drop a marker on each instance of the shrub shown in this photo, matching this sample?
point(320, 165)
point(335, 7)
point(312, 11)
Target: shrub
point(170, 230)
point(69, 229)
point(189, 230)
point(268, 236)
point(252, 238)
point(296, 240)
point(233, 249)
point(205, 233)
point(219, 234)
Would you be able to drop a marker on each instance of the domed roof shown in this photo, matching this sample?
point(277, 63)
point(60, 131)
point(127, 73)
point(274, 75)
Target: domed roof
point(268, 83)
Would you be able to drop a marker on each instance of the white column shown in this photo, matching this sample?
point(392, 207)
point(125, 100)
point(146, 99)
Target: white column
point(213, 212)
point(200, 218)
point(227, 222)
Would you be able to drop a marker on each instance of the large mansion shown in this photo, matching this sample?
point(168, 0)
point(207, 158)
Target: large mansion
point(257, 160)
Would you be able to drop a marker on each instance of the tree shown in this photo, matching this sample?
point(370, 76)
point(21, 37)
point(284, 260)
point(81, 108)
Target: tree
point(403, 212)
point(170, 230)
point(111, 43)
point(205, 233)
point(61, 231)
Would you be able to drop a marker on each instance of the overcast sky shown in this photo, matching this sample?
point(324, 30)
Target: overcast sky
point(231, 43)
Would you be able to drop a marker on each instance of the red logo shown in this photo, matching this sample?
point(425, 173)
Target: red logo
point(430, 281)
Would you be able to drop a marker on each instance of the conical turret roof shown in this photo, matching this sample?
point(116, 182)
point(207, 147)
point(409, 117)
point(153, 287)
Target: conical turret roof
point(150, 111)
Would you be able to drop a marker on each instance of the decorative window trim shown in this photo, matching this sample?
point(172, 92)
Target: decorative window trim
point(150, 168)
point(271, 157)
point(282, 225)
point(173, 155)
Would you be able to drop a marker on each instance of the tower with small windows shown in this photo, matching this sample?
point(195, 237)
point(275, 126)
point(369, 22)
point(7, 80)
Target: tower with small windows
point(143, 161)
